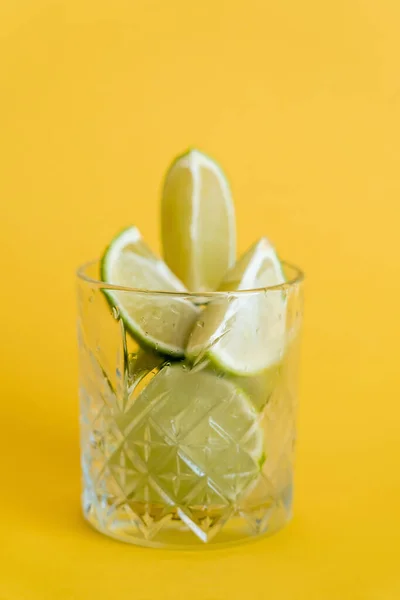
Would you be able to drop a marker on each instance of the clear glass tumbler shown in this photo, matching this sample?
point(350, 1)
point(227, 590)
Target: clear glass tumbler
point(184, 453)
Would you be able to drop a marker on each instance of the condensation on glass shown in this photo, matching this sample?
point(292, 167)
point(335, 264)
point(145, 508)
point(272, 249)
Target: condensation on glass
point(161, 466)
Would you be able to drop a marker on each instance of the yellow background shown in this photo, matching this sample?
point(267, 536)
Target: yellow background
point(300, 101)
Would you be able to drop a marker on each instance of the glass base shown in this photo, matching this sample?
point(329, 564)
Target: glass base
point(157, 526)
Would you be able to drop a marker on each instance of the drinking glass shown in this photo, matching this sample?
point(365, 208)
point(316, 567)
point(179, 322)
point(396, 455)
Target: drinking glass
point(179, 453)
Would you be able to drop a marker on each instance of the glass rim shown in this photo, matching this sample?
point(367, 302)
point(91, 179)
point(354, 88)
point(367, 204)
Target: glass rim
point(297, 278)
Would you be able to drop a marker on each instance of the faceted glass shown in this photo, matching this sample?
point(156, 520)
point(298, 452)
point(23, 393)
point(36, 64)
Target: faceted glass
point(176, 454)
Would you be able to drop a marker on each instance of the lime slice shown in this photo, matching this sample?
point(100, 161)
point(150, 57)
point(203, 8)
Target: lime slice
point(187, 429)
point(244, 334)
point(198, 221)
point(162, 323)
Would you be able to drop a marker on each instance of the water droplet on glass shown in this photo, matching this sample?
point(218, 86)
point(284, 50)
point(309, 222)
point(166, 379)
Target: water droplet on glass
point(200, 323)
point(115, 312)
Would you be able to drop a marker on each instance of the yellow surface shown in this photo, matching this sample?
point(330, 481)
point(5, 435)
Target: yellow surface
point(300, 101)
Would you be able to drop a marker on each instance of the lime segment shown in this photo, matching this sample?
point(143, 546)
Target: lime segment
point(244, 334)
point(198, 221)
point(159, 322)
point(189, 426)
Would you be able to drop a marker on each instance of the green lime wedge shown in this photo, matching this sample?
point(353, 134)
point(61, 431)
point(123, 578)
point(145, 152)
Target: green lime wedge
point(159, 322)
point(244, 334)
point(189, 429)
point(197, 221)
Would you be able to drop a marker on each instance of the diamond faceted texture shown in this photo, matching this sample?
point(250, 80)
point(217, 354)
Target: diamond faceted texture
point(166, 468)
